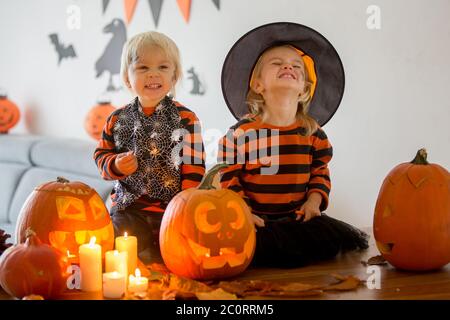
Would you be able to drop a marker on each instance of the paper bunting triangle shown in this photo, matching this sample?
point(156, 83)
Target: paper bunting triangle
point(130, 6)
point(185, 8)
point(155, 6)
point(217, 4)
point(105, 5)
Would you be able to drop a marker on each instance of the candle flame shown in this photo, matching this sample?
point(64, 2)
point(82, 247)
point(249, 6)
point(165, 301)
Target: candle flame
point(137, 273)
point(125, 234)
point(115, 252)
point(92, 241)
point(68, 253)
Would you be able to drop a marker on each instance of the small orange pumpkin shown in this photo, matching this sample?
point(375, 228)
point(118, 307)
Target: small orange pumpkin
point(65, 215)
point(412, 216)
point(9, 114)
point(207, 233)
point(96, 119)
point(33, 268)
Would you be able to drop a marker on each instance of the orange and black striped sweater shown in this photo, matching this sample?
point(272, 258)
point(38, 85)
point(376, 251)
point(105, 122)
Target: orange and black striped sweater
point(274, 169)
point(191, 172)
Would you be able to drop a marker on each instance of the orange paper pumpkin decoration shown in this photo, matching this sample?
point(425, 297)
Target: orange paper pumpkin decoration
point(207, 233)
point(65, 215)
point(9, 114)
point(412, 216)
point(33, 268)
point(96, 119)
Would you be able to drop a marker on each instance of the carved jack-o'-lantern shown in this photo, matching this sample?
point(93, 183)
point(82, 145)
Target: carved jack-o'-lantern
point(96, 119)
point(412, 216)
point(207, 233)
point(66, 214)
point(9, 114)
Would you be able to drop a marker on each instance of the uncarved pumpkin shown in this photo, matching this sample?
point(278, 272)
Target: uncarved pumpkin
point(65, 215)
point(9, 114)
point(207, 233)
point(412, 216)
point(33, 268)
point(96, 119)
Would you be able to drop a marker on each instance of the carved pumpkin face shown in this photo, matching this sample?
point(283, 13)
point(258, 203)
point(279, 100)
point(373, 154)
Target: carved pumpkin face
point(207, 234)
point(412, 216)
point(66, 214)
point(9, 114)
point(96, 119)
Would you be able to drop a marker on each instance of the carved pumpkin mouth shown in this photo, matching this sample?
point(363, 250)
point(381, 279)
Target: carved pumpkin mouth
point(216, 260)
point(64, 239)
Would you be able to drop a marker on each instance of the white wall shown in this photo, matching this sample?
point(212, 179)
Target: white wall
point(397, 78)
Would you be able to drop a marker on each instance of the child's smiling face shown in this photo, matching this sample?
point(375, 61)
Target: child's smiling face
point(151, 76)
point(281, 68)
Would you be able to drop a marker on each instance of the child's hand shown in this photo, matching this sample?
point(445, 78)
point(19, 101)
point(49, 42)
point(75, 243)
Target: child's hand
point(126, 163)
point(257, 220)
point(311, 208)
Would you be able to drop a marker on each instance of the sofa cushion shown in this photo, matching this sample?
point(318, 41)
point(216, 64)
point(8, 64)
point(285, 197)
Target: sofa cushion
point(37, 176)
point(68, 155)
point(16, 148)
point(11, 174)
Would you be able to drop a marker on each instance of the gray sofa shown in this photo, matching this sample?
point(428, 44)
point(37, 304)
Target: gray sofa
point(27, 161)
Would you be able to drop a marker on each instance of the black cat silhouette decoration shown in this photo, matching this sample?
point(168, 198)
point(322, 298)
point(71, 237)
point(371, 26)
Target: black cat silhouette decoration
point(110, 59)
point(64, 52)
point(197, 86)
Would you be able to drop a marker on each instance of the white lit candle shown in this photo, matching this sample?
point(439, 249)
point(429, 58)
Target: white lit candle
point(91, 266)
point(137, 284)
point(128, 244)
point(116, 261)
point(114, 285)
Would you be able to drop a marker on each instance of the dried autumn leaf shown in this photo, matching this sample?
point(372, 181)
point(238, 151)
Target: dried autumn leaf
point(169, 295)
point(298, 286)
point(376, 261)
point(218, 294)
point(186, 285)
point(242, 286)
point(247, 288)
point(346, 283)
point(290, 294)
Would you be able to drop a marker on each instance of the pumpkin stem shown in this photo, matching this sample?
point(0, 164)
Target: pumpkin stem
point(208, 178)
point(29, 233)
point(421, 157)
point(62, 180)
point(31, 238)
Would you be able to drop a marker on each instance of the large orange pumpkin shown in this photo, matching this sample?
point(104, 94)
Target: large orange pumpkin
point(207, 233)
point(412, 216)
point(9, 114)
point(96, 119)
point(33, 268)
point(66, 214)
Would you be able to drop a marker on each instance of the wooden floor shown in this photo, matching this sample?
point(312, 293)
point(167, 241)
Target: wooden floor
point(394, 284)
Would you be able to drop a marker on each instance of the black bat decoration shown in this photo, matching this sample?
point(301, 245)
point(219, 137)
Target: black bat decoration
point(63, 51)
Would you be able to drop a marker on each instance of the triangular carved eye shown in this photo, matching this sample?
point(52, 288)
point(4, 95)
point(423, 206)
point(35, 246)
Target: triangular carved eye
point(97, 206)
point(70, 208)
point(201, 218)
point(240, 217)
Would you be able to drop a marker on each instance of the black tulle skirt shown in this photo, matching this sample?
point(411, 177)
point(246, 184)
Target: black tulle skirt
point(283, 242)
point(288, 243)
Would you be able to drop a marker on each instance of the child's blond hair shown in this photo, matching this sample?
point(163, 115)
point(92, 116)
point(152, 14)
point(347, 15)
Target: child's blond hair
point(133, 47)
point(255, 101)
